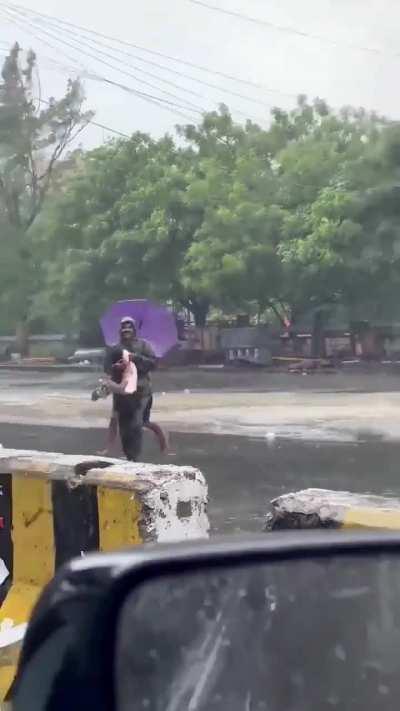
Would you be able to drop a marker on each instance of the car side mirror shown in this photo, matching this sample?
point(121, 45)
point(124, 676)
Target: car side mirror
point(287, 622)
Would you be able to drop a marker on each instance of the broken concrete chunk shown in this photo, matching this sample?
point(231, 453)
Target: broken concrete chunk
point(323, 508)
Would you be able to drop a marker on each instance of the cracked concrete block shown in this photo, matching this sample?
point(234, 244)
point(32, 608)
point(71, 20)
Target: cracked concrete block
point(323, 508)
point(54, 507)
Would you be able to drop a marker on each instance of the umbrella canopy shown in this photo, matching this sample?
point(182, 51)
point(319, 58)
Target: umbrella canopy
point(155, 323)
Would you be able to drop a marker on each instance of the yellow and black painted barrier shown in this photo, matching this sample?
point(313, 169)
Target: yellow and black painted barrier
point(323, 508)
point(54, 507)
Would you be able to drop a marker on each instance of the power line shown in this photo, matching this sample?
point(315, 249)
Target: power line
point(5, 51)
point(98, 125)
point(91, 121)
point(112, 130)
point(94, 123)
point(135, 92)
point(98, 78)
point(289, 29)
point(193, 65)
point(54, 64)
point(111, 66)
point(189, 105)
point(156, 100)
point(104, 80)
point(44, 41)
point(64, 68)
point(56, 24)
point(128, 89)
point(51, 20)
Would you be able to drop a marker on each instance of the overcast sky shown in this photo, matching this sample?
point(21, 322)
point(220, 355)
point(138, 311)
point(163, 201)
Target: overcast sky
point(283, 62)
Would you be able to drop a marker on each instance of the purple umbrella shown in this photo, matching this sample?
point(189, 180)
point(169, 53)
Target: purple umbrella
point(155, 323)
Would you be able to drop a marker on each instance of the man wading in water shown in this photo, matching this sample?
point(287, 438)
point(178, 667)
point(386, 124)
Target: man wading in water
point(131, 412)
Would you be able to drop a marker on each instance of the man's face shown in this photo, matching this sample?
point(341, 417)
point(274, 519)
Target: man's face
point(128, 332)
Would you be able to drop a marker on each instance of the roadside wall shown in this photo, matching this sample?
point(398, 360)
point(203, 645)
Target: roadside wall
point(54, 507)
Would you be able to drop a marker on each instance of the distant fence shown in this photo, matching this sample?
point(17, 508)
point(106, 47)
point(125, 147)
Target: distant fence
point(56, 346)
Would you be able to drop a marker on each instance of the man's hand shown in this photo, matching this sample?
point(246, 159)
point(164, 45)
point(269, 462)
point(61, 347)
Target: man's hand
point(144, 362)
point(115, 388)
point(101, 391)
point(137, 359)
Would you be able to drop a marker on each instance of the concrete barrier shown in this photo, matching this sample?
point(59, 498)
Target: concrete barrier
point(322, 508)
point(54, 507)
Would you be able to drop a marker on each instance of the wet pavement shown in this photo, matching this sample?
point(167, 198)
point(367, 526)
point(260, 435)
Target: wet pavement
point(252, 446)
point(243, 473)
point(334, 408)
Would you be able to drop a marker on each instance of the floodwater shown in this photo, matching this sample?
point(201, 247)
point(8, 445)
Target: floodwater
point(252, 446)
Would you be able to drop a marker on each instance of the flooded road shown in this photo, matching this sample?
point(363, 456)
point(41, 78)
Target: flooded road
point(335, 408)
point(244, 474)
point(252, 446)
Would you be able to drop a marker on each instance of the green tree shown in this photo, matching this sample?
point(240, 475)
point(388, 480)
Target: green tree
point(297, 218)
point(321, 237)
point(258, 190)
point(34, 135)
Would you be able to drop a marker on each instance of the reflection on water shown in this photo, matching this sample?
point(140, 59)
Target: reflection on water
point(245, 474)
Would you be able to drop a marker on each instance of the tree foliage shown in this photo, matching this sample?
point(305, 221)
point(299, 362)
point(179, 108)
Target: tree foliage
point(298, 217)
point(34, 135)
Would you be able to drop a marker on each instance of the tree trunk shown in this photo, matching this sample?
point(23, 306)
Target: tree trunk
point(279, 316)
point(22, 338)
point(200, 310)
point(200, 317)
point(318, 336)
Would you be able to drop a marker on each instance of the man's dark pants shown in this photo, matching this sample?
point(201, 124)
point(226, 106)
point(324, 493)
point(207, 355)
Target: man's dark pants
point(130, 428)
